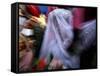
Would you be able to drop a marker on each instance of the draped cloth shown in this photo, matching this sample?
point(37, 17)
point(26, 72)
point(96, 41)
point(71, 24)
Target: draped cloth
point(58, 37)
point(86, 36)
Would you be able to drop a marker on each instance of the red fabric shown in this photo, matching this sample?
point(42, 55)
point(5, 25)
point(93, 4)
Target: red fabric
point(41, 65)
point(34, 10)
point(79, 17)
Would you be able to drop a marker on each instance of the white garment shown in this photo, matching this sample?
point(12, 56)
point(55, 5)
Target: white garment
point(27, 32)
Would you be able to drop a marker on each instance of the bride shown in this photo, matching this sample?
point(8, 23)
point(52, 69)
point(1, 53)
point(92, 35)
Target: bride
point(57, 39)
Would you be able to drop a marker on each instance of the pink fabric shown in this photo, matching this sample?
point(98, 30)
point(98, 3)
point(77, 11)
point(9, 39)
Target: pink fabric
point(78, 17)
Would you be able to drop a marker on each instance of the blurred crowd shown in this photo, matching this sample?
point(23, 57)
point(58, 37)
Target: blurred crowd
point(33, 21)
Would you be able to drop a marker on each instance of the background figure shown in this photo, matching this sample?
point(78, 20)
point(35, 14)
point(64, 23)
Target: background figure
point(25, 54)
point(86, 36)
point(85, 45)
point(57, 39)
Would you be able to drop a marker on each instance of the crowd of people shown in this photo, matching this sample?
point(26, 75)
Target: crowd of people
point(56, 37)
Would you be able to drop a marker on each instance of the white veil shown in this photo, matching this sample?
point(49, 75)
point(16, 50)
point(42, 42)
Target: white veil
point(58, 37)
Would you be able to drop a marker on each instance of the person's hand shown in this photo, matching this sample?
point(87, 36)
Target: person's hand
point(28, 24)
point(55, 64)
point(41, 20)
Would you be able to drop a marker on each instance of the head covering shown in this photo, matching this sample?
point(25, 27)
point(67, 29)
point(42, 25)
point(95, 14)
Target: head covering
point(58, 37)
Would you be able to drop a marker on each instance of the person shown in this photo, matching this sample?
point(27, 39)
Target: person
point(25, 54)
point(86, 36)
point(57, 39)
point(86, 45)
